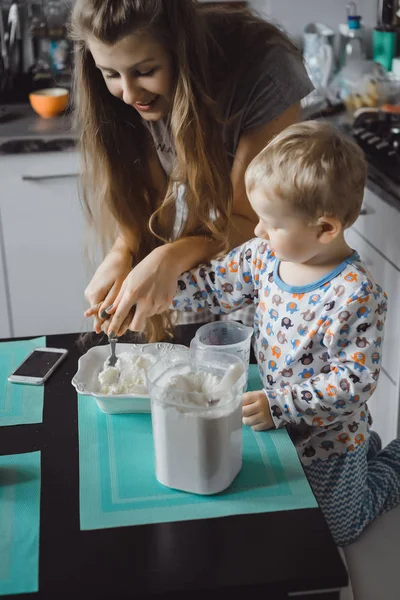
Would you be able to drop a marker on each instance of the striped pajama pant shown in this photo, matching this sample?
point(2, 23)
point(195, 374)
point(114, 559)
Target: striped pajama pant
point(354, 488)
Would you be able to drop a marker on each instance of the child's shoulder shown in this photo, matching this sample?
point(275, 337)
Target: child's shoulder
point(358, 284)
point(254, 248)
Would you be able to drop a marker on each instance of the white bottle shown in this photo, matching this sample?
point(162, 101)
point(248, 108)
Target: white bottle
point(354, 50)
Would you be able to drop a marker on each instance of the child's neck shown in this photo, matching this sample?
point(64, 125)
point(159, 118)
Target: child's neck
point(299, 274)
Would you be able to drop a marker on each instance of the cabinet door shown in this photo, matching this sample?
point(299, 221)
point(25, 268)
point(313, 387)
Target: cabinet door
point(379, 224)
point(389, 278)
point(5, 330)
point(384, 409)
point(44, 233)
point(384, 404)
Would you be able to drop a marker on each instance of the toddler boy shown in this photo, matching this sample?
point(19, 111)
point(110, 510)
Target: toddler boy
point(319, 320)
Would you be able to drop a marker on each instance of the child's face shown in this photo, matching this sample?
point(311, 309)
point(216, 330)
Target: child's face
point(138, 70)
point(292, 238)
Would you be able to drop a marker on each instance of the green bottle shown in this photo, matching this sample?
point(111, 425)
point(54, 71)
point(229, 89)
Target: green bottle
point(384, 42)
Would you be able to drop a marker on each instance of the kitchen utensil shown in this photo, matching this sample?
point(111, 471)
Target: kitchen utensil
point(3, 42)
point(319, 59)
point(112, 360)
point(56, 16)
point(38, 33)
point(227, 382)
point(388, 13)
point(14, 39)
point(224, 336)
point(4, 60)
point(105, 315)
point(49, 102)
point(197, 445)
point(12, 24)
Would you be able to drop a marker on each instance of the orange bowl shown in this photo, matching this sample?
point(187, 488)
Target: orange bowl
point(50, 102)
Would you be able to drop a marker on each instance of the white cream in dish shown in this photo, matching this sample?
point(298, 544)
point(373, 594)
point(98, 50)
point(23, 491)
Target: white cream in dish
point(128, 376)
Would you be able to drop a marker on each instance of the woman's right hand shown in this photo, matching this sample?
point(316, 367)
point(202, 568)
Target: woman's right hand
point(106, 283)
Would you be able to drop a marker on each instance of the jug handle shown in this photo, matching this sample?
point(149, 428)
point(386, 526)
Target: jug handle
point(327, 52)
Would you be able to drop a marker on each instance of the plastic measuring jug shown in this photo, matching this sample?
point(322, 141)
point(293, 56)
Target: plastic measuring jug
point(224, 336)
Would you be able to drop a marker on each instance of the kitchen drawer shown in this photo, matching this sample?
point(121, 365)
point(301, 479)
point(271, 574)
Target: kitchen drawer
point(384, 409)
point(389, 278)
point(380, 225)
point(37, 169)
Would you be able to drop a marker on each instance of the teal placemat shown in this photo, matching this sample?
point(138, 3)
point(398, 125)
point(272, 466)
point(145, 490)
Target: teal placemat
point(19, 523)
point(118, 486)
point(19, 404)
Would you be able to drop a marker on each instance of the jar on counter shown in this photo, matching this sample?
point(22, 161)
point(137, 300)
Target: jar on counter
point(197, 442)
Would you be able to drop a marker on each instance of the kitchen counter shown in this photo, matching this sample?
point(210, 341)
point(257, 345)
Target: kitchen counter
point(28, 124)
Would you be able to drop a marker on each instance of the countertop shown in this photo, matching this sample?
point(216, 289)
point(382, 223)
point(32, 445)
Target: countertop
point(28, 124)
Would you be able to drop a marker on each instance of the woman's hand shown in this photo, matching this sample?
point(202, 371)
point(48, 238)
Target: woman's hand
point(106, 283)
point(256, 412)
point(150, 287)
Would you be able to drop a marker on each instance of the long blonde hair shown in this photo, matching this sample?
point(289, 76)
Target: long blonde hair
point(118, 191)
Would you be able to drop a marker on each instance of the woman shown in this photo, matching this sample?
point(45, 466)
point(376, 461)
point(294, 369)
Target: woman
point(172, 92)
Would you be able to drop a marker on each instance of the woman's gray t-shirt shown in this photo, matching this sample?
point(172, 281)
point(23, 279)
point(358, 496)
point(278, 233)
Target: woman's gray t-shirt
point(269, 87)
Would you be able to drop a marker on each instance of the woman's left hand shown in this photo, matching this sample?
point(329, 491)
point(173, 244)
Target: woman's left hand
point(149, 287)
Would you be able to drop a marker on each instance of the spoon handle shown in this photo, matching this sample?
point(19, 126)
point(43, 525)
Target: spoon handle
point(113, 357)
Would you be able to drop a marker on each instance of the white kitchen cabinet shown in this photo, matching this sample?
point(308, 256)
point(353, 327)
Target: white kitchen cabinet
point(5, 330)
point(383, 406)
point(375, 236)
point(44, 237)
point(389, 278)
point(379, 224)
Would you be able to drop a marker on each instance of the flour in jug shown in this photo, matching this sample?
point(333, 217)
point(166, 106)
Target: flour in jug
point(198, 445)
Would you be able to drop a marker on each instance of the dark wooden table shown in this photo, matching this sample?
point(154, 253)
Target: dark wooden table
point(279, 555)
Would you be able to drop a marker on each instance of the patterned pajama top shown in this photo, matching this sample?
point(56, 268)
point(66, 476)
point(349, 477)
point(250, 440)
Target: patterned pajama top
point(318, 346)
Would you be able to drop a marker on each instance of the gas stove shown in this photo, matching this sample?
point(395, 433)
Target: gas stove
point(378, 134)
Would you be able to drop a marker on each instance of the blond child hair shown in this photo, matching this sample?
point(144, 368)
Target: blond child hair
point(315, 168)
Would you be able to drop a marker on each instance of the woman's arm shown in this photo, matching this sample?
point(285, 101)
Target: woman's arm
point(190, 252)
point(151, 285)
point(106, 283)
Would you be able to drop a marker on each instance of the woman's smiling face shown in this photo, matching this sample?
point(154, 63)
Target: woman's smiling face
point(138, 70)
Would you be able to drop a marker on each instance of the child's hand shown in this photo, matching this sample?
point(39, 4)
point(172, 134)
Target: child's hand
point(256, 411)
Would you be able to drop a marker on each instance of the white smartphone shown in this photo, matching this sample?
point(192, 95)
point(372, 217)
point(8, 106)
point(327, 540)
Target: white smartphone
point(38, 366)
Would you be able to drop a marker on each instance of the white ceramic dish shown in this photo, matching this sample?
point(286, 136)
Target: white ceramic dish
point(90, 364)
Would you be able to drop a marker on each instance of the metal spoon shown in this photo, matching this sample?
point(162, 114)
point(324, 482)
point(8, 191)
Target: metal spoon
point(112, 359)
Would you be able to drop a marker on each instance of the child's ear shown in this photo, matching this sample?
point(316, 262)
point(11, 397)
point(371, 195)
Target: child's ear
point(328, 229)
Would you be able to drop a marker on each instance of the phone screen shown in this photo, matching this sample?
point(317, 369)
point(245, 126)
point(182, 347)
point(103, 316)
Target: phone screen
point(38, 364)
